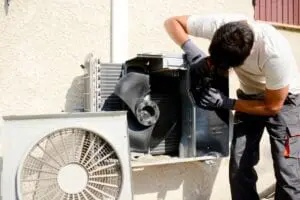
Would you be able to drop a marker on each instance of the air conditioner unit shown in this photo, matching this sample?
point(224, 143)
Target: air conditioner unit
point(180, 128)
point(99, 83)
point(100, 80)
point(66, 157)
point(202, 132)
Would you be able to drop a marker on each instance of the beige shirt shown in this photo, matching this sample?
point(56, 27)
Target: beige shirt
point(271, 63)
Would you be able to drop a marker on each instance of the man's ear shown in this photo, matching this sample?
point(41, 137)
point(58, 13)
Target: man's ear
point(209, 62)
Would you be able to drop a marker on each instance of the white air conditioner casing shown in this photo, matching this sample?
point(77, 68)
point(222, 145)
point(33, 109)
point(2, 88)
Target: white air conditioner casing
point(84, 137)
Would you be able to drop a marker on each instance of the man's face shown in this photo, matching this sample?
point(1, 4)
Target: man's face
point(221, 71)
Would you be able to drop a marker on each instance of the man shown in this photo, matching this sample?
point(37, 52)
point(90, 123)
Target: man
point(267, 97)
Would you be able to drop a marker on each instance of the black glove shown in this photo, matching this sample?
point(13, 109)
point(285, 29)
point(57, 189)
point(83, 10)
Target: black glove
point(192, 53)
point(212, 98)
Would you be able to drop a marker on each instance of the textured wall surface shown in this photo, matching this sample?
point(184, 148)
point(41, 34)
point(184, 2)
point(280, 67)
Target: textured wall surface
point(43, 43)
point(42, 46)
point(146, 32)
point(294, 40)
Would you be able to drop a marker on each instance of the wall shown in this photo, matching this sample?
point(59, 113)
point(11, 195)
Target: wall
point(42, 46)
point(43, 43)
point(294, 39)
point(146, 20)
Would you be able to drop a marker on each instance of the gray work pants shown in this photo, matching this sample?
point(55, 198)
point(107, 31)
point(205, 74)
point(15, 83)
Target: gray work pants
point(284, 132)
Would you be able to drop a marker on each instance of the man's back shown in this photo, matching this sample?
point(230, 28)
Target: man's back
point(270, 64)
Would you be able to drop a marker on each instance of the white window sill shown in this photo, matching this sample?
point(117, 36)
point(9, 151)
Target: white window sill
point(289, 27)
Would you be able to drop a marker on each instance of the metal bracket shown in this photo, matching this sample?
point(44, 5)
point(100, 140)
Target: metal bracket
point(211, 163)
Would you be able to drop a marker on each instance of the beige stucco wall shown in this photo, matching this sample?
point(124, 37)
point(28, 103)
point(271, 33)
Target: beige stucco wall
point(146, 19)
point(294, 39)
point(43, 43)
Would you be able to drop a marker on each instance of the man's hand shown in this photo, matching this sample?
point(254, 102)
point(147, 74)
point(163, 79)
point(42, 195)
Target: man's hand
point(212, 98)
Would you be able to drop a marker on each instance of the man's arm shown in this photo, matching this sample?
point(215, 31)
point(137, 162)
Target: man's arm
point(271, 104)
point(176, 27)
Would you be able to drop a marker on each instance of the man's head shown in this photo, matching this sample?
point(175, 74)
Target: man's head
point(231, 45)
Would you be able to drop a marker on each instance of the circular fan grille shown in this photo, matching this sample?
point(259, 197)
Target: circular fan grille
point(70, 164)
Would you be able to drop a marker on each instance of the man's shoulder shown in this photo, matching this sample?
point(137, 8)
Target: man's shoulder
point(219, 17)
point(270, 40)
point(206, 25)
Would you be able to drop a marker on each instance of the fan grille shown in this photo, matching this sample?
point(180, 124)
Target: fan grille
point(55, 152)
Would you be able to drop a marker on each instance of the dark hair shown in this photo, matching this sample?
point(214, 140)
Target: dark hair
point(231, 45)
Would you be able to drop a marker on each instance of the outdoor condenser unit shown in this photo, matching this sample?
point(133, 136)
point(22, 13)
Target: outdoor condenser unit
point(66, 157)
point(162, 118)
point(100, 80)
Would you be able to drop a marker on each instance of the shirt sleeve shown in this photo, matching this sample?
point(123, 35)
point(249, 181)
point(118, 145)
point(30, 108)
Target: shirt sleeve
point(278, 73)
point(205, 26)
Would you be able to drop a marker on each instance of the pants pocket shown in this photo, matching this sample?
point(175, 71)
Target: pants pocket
point(291, 119)
point(292, 147)
point(292, 140)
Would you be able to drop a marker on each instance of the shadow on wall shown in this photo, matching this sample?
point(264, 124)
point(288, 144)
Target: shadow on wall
point(74, 96)
point(185, 181)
